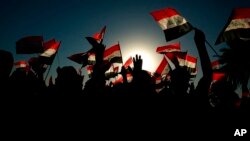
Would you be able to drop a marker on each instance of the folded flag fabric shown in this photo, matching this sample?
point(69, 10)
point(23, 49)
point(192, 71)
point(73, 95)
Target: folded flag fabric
point(172, 23)
point(237, 27)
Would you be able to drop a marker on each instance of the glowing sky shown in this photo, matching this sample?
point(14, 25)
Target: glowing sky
point(128, 22)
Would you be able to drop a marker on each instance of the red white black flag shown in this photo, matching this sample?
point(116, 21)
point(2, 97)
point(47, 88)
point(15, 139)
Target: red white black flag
point(238, 26)
point(49, 54)
point(172, 23)
point(113, 54)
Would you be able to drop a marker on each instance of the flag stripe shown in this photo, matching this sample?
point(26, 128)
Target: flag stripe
point(163, 68)
point(111, 50)
point(100, 35)
point(128, 62)
point(177, 31)
point(169, 48)
point(164, 13)
point(48, 44)
point(217, 76)
point(241, 13)
point(172, 22)
point(238, 23)
point(52, 50)
point(21, 64)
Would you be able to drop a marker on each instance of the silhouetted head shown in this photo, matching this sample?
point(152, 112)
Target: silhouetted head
point(6, 64)
point(68, 80)
point(225, 92)
point(180, 80)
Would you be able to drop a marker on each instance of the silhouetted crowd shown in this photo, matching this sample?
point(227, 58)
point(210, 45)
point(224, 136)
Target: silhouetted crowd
point(178, 91)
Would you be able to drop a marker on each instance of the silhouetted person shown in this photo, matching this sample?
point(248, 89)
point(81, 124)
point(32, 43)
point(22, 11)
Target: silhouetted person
point(202, 89)
point(142, 84)
point(6, 64)
point(95, 86)
point(226, 95)
point(68, 83)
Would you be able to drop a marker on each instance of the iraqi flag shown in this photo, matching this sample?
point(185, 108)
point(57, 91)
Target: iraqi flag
point(30, 45)
point(238, 26)
point(190, 63)
point(176, 47)
point(49, 54)
point(100, 35)
point(113, 54)
point(172, 23)
point(163, 68)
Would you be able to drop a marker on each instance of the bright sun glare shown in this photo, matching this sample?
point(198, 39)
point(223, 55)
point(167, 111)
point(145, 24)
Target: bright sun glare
point(149, 62)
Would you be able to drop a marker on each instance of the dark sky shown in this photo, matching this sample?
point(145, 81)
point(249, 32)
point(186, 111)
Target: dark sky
point(128, 22)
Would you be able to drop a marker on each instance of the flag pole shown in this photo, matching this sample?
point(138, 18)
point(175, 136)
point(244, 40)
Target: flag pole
point(211, 47)
point(47, 73)
point(58, 59)
point(52, 63)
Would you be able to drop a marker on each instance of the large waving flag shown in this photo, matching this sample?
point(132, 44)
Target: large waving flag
point(176, 47)
point(172, 23)
point(29, 45)
point(238, 26)
point(113, 54)
point(100, 35)
point(49, 54)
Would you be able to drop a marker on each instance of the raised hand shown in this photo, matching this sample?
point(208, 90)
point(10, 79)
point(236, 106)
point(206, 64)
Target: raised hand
point(137, 63)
